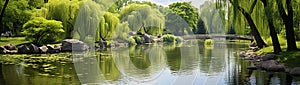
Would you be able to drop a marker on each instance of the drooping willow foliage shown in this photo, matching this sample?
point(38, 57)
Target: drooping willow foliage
point(143, 17)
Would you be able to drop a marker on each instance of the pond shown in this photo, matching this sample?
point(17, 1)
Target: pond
point(189, 63)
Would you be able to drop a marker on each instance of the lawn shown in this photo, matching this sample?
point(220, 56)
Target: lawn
point(12, 40)
point(290, 58)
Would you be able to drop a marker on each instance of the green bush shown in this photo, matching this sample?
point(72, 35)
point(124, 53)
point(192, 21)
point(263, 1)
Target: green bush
point(179, 39)
point(208, 42)
point(43, 31)
point(168, 38)
point(281, 40)
point(138, 39)
point(131, 40)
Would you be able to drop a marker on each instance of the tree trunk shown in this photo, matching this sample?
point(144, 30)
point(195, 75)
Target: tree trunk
point(260, 42)
point(2, 14)
point(288, 22)
point(275, 41)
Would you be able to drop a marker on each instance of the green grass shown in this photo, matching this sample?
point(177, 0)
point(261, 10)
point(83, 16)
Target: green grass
point(13, 40)
point(290, 58)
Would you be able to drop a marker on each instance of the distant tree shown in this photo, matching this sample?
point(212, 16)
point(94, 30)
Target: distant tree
point(144, 18)
point(42, 31)
point(188, 12)
point(107, 26)
point(201, 27)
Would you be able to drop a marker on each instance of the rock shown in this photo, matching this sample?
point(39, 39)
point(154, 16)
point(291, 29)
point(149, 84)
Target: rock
point(12, 51)
point(295, 71)
point(43, 49)
point(33, 49)
point(10, 47)
point(148, 38)
point(253, 44)
point(272, 65)
point(131, 33)
point(2, 50)
point(103, 43)
point(254, 49)
point(268, 57)
point(53, 50)
point(73, 45)
point(23, 49)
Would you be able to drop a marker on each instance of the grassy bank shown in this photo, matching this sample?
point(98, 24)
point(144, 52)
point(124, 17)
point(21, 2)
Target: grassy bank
point(12, 40)
point(290, 58)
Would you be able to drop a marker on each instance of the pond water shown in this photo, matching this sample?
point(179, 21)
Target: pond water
point(190, 63)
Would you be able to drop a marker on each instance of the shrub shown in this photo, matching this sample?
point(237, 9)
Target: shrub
point(138, 39)
point(131, 40)
point(168, 38)
point(42, 31)
point(179, 39)
point(208, 42)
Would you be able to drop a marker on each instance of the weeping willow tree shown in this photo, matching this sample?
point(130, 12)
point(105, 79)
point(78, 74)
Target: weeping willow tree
point(214, 19)
point(243, 7)
point(286, 11)
point(269, 12)
point(144, 18)
point(61, 10)
point(107, 26)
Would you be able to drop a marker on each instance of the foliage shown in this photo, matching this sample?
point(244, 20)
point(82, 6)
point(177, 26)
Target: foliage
point(143, 17)
point(16, 14)
point(65, 11)
point(107, 26)
point(168, 38)
point(121, 31)
point(138, 39)
point(179, 39)
point(281, 40)
point(209, 42)
point(131, 40)
point(201, 27)
point(214, 19)
point(188, 12)
point(42, 31)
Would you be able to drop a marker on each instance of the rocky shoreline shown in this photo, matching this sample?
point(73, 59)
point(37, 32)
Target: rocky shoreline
point(267, 62)
point(67, 45)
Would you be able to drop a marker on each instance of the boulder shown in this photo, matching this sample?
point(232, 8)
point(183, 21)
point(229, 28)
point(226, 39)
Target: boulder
point(272, 65)
point(131, 33)
point(33, 49)
point(73, 45)
point(12, 51)
point(43, 49)
point(295, 71)
point(23, 49)
point(268, 57)
point(10, 47)
point(53, 50)
point(2, 50)
point(148, 38)
point(253, 44)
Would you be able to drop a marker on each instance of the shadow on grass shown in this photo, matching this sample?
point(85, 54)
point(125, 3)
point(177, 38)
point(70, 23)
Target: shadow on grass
point(290, 58)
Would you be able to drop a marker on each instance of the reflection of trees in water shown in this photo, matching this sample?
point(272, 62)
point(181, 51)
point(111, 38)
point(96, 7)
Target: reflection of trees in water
point(140, 63)
point(139, 57)
point(182, 59)
point(213, 60)
point(109, 68)
point(18, 75)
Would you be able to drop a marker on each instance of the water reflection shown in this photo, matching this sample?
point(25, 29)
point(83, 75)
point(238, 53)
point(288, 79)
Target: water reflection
point(189, 63)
